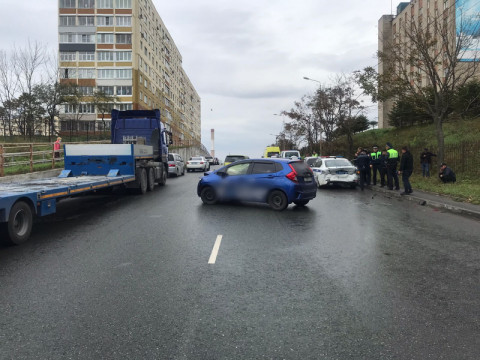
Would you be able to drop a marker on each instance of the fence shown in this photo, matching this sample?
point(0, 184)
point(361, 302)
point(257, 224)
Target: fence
point(28, 155)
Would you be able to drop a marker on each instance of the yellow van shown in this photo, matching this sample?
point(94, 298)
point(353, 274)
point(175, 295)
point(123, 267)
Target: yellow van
point(271, 151)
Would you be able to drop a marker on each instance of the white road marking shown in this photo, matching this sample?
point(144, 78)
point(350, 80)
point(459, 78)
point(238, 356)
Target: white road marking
point(216, 247)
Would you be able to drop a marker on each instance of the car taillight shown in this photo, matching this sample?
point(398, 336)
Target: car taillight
point(171, 165)
point(292, 175)
point(201, 162)
point(188, 162)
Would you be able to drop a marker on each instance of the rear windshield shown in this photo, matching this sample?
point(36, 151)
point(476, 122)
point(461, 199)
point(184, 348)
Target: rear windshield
point(208, 157)
point(292, 153)
point(197, 158)
point(300, 167)
point(170, 157)
point(337, 163)
point(234, 158)
point(270, 154)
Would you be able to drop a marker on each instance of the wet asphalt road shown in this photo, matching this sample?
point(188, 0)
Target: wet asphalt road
point(351, 276)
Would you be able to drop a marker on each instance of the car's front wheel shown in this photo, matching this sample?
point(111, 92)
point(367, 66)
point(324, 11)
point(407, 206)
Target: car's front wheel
point(208, 195)
point(277, 200)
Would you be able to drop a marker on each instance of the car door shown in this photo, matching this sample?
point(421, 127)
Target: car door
point(262, 178)
point(234, 182)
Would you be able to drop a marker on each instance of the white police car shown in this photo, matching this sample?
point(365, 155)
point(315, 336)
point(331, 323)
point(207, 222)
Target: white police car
point(330, 170)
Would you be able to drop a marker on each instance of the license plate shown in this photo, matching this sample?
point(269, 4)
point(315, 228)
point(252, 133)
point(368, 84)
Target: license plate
point(308, 179)
point(342, 172)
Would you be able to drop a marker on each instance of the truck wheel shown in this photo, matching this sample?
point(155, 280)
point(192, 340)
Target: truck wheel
point(19, 224)
point(163, 177)
point(277, 200)
point(142, 180)
point(151, 179)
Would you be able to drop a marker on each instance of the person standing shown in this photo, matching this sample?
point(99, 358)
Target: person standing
point(363, 165)
point(56, 147)
point(392, 167)
point(426, 162)
point(315, 154)
point(406, 170)
point(383, 167)
point(375, 164)
point(446, 174)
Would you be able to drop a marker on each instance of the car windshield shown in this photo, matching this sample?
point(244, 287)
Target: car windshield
point(291, 153)
point(197, 158)
point(170, 157)
point(337, 163)
point(234, 158)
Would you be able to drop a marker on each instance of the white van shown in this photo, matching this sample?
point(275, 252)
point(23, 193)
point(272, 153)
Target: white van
point(290, 154)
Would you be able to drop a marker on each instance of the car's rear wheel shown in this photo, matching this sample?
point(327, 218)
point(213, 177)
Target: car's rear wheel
point(277, 200)
point(208, 195)
point(301, 202)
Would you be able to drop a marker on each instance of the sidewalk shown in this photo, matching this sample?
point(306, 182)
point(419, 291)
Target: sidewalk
point(433, 200)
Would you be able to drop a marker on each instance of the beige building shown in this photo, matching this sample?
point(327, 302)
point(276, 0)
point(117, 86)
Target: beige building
point(123, 49)
point(391, 33)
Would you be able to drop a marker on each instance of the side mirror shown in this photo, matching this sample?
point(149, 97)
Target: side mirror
point(221, 173)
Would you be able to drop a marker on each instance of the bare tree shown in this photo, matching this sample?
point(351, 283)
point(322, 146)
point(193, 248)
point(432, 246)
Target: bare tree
point(427, 61)
point(104, 104)
point(9, 86)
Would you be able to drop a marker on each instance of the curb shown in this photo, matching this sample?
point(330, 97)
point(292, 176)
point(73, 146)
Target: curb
point(423, 201)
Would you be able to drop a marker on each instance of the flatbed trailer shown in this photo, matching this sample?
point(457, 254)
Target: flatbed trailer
point(88, 168)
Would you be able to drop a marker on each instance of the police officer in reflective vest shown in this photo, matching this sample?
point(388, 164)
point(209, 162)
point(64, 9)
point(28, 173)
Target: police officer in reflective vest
point(375, 163)
point(392, 162)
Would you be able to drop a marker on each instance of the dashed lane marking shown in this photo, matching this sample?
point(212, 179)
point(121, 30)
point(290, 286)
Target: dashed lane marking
point(216, 247)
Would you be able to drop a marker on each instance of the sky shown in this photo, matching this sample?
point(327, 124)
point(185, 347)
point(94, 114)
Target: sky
point(246, 59)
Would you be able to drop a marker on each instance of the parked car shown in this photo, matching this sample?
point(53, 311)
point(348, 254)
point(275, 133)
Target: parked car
point(331, 170)
point(277, 182)
point(290, 154)
point(232, 158)
point(176, 165)
point(198, 163)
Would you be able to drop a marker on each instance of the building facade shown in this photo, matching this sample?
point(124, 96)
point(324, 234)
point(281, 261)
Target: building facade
point(419, 15)
point(119, 54)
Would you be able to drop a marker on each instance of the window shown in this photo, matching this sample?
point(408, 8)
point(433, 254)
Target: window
point(67, 21)
point(239, 169)
point(67, 4)
point(68, 73)
point(86, 73)
point(104, 4)
point(106, 73)
point(124, 56)
point(123, 38)
point(68, 56)
point(124, 90)
point(105, 55)
point(86, 4)
point(69, 109)
point(104, 20)
point(105, 38)
point(124, 20)
point(86, 21)
point(86, 109)
point(264, 168)
point(124, 107)
point(124, 4)
point(145, 99)
point(107, 90)
point(86, 38)
point(68, 38)
point(123, 73)
point(85, 90)
point(86, 56)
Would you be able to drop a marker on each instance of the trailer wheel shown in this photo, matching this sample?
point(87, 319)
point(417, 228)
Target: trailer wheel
point(151, 179)
point(19, 224)
point(163, 177)
point(142, 180)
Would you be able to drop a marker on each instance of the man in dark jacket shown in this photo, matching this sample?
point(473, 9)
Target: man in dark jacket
point(447, 174)
point(406, 169)
point(363, 165)
point(426, 162)
point(392, 162)
point(383, 167)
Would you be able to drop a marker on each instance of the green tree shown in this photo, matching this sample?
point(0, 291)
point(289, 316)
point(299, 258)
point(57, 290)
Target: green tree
point(104, 104)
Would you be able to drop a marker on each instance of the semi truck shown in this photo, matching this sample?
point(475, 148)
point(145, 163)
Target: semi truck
point(136, 158)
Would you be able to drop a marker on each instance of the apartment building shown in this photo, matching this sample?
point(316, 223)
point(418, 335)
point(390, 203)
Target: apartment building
point(121, 48)
point(448, 17)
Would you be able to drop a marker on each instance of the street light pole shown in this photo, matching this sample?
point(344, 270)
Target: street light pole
point(320, 140)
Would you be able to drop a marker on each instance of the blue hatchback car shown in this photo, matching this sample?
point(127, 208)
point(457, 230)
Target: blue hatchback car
point(277, 182)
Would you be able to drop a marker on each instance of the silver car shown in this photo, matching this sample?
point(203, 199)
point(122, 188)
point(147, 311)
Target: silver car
point(176, 165)
point(198, 163)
